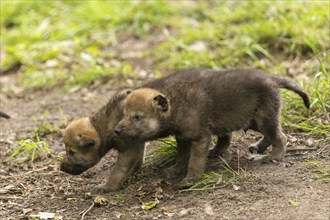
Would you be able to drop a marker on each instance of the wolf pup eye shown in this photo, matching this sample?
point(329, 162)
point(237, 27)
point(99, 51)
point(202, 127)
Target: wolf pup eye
point(137, 118)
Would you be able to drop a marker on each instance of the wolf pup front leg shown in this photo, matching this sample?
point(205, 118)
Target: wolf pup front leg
point(127, 163)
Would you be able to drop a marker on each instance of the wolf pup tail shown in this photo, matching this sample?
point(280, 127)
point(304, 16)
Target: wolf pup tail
point(286, 84)
point(4, 115)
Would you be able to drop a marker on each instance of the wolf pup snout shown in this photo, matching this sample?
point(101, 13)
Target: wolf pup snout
point(118, 130)
point(73, 169)
point(82, 143)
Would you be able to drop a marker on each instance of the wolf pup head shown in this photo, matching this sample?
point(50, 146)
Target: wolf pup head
point(82, 143)
point(144, 110)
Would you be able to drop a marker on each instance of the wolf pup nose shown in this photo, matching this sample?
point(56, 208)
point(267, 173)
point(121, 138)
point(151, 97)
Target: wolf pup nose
point(72, 169)
point(118, 130)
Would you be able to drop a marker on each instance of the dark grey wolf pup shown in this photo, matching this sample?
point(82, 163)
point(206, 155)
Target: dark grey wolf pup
point(217, 103)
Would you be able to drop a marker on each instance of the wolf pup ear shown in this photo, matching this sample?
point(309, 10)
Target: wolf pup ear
point(85, 143)
point(161, 103)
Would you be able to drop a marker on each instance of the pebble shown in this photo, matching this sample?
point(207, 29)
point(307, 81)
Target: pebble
point(310, 142)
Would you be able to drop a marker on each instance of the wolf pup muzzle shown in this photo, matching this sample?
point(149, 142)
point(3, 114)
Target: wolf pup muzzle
point(73, 169)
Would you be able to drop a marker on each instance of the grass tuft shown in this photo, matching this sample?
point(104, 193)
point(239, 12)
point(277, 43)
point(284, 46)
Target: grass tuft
point(163, 155)
point(45, 128)
point(321, 173)
point(226, 176)
point(29, 150)
point(315, 121)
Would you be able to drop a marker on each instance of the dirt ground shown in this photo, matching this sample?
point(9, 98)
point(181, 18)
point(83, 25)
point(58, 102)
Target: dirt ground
point(287, 190)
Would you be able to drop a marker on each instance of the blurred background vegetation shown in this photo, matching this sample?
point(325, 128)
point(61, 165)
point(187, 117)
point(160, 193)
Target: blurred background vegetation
point(65, 44)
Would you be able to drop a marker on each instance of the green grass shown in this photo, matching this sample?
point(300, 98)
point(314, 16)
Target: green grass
point(44, 127)
point(225, 176)
point(33, 147)
point(60, 43)
point(321, 172)
point(163, 155)
point(67, 44)
point(294, 202)
point(249, 33)
point(316, 120)
point(30, 150)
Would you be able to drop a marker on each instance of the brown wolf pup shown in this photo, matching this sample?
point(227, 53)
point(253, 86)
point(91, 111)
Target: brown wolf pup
point(219, 104)
point(88, 139)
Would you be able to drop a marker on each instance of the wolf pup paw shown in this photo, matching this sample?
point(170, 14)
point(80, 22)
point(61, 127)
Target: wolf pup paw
point(270, 159)
point(173, 172)
point(186, 183)
point(101, 189)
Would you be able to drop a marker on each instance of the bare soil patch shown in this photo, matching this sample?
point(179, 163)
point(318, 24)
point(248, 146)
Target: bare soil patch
point(287, 190)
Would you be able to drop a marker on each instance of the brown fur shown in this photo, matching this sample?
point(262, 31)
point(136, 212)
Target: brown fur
point(217, 103)
point(88, 139)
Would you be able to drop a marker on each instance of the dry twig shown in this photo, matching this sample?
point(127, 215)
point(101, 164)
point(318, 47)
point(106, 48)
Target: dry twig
point(23, 174)
point(85, 211)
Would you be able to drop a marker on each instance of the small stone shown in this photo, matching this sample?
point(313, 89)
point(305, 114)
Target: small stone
point(236, 187)
point(310, 142)
point(183, 212)
point(209, 209)
point(88, 195)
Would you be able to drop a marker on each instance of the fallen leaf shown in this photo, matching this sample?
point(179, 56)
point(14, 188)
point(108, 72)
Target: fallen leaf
point(46, 215)
point(149, 205)
point(71, 199)
point(101, 201)
point(168, 210)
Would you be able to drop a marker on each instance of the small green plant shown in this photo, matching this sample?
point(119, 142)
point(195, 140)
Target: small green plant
point(163, 155)
point(29, 150)
point(322, 173)
point(212, 180)
point(209, 180)
point(294, 202)
point(44, 127)
point(319, 91)
point(120, 197)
